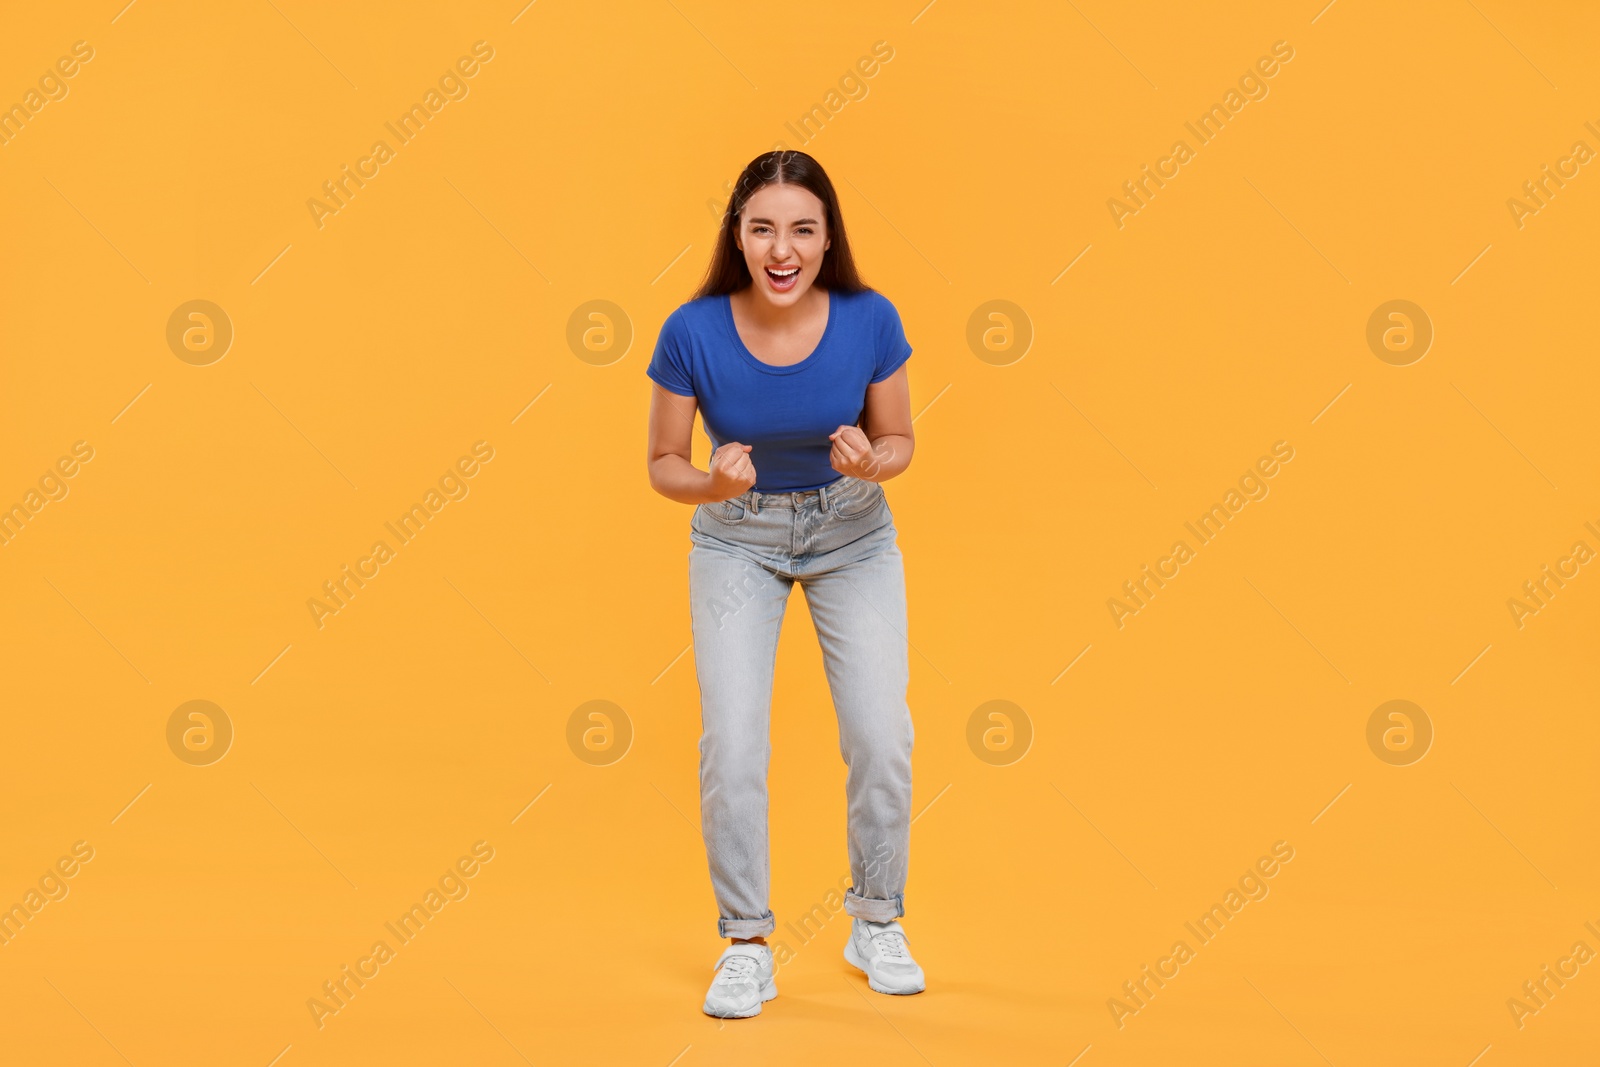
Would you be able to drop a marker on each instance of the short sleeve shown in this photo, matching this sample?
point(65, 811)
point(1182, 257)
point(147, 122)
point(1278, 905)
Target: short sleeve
point(892, 347)
point(669, 364)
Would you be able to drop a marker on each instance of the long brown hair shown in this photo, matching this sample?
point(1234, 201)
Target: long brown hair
point(728, 272)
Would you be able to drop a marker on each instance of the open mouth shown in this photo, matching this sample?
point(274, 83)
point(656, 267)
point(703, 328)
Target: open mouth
point(782, 278)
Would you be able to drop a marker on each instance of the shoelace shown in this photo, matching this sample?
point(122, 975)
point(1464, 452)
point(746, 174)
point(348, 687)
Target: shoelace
point(736, 969)
point(892, 945)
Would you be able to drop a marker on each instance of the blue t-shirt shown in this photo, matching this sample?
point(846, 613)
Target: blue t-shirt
point(784, 413)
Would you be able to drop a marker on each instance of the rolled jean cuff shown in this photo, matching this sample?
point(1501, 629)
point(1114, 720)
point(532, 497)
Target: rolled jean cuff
point(874, 910)
point(747, 927)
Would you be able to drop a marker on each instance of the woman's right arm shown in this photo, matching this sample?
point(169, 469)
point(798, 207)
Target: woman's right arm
point(672, 474)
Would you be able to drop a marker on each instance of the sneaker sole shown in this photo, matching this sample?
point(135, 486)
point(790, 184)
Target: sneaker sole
point(768, 991)
point(853, 958)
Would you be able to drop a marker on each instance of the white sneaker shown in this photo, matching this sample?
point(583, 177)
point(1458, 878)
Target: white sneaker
point(879, 949)
point(744, 980)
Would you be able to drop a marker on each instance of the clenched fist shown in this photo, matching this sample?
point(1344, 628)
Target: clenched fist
point(731, 470)
point(852, 453)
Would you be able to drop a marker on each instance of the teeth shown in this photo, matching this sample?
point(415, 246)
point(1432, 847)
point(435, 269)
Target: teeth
point(783, 273)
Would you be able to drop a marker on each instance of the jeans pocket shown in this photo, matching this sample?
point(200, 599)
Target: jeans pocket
point(728, 512)
point(857, 497)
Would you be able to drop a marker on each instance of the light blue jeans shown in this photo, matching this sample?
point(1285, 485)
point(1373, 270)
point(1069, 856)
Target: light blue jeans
point(839, 543)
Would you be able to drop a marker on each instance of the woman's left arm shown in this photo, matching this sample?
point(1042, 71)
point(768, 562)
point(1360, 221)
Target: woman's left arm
point(880, 447)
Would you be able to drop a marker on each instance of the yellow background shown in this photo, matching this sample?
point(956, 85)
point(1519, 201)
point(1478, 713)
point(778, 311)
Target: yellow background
point(428, 313)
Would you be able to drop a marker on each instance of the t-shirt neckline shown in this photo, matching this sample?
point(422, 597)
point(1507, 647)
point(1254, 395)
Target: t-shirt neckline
point(788, 368)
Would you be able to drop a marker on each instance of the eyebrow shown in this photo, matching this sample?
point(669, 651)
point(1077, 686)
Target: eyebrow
point(799, 222)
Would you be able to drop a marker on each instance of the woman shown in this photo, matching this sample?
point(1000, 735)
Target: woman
point(798, 371)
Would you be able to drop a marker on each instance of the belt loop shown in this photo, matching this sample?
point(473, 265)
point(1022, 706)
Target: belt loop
point(755, 501)
point(824, 499)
